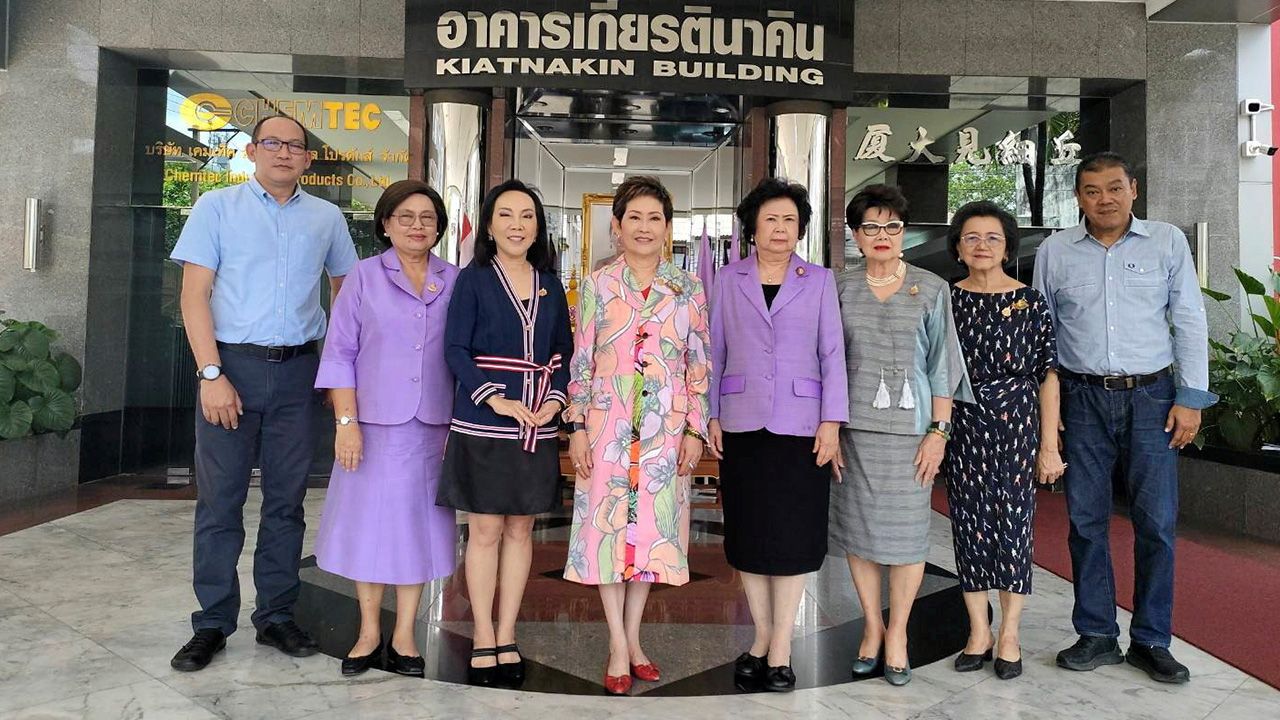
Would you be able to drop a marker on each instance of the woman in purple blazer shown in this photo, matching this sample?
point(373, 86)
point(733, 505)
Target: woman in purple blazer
point(779, 393)
point(392, 400)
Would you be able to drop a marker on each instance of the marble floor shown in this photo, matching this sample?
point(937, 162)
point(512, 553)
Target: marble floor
point(92, 606)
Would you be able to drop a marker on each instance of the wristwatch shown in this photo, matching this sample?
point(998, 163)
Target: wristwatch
point(345, 420)
point(209, 372)
point(942, 425)
point(572, 427)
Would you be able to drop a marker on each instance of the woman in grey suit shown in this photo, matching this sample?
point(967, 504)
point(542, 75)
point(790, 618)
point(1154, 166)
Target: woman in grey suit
point(905, 367)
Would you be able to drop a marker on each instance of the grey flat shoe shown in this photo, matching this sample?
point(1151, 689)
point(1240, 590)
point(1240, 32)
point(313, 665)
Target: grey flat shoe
point(865, 665)
point(897, 676)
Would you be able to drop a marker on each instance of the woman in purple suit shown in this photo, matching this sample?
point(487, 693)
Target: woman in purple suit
point(778, 397)
point(392, 400)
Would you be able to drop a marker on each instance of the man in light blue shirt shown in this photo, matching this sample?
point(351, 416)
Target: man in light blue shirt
point(1134, 367)
point(252, 258)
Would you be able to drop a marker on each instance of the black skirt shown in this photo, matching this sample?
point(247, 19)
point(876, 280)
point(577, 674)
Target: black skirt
point(775, 503)
point(494, 476)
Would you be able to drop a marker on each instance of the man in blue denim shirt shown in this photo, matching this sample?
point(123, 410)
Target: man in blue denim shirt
point(1133, 350)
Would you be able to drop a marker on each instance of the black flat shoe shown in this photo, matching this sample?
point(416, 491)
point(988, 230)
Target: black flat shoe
point(289, 639)
point(357, 665)
point(1008, 669)
point(483, 676)
point(970, 663)
point(779, 679)
point(411, 665)
point(749, 666)
point(199, 650)
point(510, 674)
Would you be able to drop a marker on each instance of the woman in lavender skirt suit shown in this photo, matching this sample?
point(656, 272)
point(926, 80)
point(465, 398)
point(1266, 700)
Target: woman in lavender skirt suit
point(778, 397)
point(392, 398)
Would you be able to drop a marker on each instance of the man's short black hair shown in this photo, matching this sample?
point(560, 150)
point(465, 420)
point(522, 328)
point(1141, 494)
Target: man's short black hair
point(984, 208)
point(1103, 161)
point(772, 189)
point(257, 129)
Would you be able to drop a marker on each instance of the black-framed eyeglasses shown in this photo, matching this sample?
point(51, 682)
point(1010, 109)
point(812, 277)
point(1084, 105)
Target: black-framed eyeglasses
point(407, 219)
point(871, 229)
point(991, 239)
point(296, 147)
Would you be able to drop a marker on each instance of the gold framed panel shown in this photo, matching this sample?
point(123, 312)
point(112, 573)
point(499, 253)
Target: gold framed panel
point(597, 233)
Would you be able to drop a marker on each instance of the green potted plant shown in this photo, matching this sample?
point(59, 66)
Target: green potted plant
point(1245, 372)
point(36, 381)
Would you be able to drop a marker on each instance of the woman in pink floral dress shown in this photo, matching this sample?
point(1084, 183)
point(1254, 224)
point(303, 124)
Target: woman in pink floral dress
point(638, 418)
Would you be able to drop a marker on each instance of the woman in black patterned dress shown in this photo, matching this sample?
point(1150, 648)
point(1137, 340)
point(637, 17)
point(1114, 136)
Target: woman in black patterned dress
point(1009, 439)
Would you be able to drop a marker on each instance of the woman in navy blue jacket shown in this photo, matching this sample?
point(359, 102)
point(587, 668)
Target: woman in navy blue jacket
point(508, 343)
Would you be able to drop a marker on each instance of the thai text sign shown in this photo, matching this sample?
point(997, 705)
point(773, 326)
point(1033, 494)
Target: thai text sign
point(748, 47)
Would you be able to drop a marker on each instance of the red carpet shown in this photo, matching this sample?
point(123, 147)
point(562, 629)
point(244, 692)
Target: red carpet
point(1224, 601)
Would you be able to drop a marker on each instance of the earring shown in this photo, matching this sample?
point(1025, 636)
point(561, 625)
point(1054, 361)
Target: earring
point(900, 255)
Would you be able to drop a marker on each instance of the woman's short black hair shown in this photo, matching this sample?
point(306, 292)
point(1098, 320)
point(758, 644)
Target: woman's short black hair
point(983, 208)
point(395, 194)
point(889, 197)
point(540, 255)
point(771, 189)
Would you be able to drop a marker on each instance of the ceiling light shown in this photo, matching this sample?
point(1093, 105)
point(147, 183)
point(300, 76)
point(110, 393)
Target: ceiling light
point(617, 178)
point(620, 156)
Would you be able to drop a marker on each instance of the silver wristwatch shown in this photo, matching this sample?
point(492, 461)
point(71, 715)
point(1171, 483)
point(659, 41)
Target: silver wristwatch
point(345, 420)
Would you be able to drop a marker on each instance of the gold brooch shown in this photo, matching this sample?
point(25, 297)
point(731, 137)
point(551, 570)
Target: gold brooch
point(432, 287)
point(542, 292)
point(1019, 304)
point(915, 290)
point(800, 271)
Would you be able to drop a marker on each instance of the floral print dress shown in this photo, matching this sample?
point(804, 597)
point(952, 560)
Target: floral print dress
point(990, 466)
point(638, 380)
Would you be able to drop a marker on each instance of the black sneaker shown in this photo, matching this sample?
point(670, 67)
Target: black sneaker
point(289, 639)
point(1158, 663)
point(198, 651)
point(1091, 653)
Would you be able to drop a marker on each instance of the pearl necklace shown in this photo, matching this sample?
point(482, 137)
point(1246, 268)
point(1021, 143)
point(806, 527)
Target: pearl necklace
point(887, 280)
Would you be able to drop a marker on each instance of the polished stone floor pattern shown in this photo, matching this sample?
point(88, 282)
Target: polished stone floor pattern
point(93, 605)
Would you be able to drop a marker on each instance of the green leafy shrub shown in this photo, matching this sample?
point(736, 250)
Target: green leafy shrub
point(36, 382)
point(1245, 372)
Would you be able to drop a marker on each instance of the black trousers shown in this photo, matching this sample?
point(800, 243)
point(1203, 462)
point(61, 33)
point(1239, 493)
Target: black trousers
point(278, 404)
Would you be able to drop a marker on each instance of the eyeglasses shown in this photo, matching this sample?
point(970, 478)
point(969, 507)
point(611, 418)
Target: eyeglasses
point(406, 219)
point(991, 240)
point(296, 147)
point(871, 229)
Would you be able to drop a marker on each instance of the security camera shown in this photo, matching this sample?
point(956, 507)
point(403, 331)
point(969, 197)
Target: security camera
point(1252, 149)
point(1255, 107)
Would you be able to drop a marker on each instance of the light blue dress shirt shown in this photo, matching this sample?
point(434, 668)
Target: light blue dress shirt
point(269, 261)
point(1114, 307)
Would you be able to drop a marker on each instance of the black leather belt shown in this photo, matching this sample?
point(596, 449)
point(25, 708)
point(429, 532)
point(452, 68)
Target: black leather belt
point(278, 353)
point(1115, 382)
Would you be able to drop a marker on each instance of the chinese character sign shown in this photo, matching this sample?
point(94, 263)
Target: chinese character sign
point(970, 150)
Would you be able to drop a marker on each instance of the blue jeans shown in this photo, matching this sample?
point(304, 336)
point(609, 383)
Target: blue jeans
point(1104, 427)
point(276, 427)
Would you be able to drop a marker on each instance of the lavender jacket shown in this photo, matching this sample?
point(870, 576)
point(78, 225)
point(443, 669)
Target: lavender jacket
point(780, 368)
point(387, 342)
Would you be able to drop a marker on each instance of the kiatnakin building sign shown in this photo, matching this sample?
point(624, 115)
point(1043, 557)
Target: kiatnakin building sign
point(748, 47)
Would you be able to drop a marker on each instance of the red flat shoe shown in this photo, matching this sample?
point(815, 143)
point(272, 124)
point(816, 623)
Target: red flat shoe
point(616, 684)
point(648, 672)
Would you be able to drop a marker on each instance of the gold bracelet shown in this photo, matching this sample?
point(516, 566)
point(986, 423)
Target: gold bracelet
point(941, 433)
point(690, 432)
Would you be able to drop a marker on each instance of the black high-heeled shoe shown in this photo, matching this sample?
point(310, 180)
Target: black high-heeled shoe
point(357, 665)
point(966, 662)
point(483, 676)
point(511, 674)
point(411, 665)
